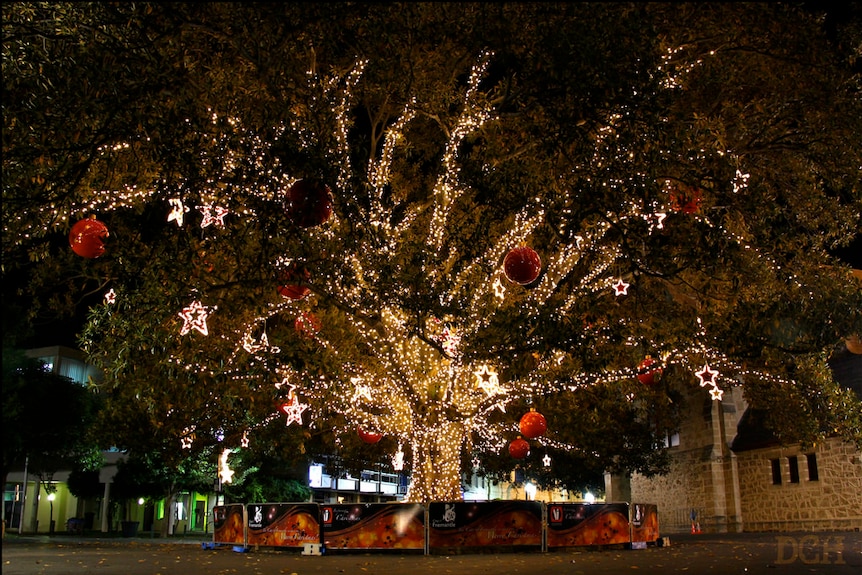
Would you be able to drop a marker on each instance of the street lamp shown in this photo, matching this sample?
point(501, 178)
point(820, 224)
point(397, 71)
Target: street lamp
point(51, 513)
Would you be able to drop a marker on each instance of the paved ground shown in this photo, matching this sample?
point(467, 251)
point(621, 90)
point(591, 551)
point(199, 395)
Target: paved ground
point(830, 553)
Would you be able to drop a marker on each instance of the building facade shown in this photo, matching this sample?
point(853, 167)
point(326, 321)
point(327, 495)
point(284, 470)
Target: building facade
point(730, 475)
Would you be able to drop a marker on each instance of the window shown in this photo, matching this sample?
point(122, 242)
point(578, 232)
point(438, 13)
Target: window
point(793, 465)
point(671, 440)
point(812, 467)
point(776, 471)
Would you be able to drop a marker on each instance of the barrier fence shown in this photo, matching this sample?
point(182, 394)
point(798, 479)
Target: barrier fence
point(443, 527)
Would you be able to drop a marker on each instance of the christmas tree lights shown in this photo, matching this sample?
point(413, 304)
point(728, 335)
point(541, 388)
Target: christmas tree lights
point(355, 241)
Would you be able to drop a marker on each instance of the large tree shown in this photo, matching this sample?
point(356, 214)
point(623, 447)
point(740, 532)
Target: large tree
point(681, 174)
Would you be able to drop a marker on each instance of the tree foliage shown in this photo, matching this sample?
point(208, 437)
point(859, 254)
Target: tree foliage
point(706, 153)
point(47, 419)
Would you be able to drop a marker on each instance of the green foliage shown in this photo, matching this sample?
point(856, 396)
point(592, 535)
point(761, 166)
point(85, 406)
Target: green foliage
point(47, 418)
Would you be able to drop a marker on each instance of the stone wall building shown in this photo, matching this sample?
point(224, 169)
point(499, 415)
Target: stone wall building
point(730, 475)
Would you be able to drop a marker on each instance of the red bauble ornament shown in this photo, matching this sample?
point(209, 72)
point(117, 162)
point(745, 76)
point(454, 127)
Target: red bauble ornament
point(685, 199)
point(294, 290)
point(648, 377)
point(533, 424)
point(522, 265)
point(368, 436)
point(87, 238)
point(519, 449)
point(309, 203)
point(307, 324)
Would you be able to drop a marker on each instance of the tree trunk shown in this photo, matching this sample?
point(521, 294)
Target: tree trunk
point(436, 473)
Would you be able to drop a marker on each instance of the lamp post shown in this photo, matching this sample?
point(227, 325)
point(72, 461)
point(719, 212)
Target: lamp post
point(51, 513)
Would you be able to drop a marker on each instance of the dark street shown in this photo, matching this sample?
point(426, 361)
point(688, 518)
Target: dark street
point(751, 553)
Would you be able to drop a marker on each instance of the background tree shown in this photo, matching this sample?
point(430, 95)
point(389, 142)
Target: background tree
point(684, 174)
point(47, 420)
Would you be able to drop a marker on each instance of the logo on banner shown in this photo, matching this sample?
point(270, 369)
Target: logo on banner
point(449, 514)
point(327, 515)
point(555, 512)
point(257, 521)
point(638, 516)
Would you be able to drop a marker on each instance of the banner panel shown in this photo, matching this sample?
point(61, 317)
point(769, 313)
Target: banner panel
point(576, 524)
point(283, 524)
point(644, 521)
point(374, 526)
point(485, 524)
point(229, 523)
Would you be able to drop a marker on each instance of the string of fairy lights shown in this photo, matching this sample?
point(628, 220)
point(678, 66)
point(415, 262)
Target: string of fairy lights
point(409, 386)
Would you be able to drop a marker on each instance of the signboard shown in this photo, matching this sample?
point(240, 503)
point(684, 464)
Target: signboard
point(229, 523)
point(283, 524)
point(576, 524)
point(644, 520)
point(485, 524)
point(373, 526)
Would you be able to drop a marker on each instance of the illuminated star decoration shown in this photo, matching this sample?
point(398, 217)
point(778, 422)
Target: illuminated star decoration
point(177, 211)
point(621, 287)
point(111, 296)
point(707, 377)
point(361, 390)
point(213, 215)
point(398, 459)
point(188, 438)
point(546, 460)
point(244, 440)
point(292, 408)
point(487, 381)
point(195, 317)
point(225, 473)
point(499, 288)
point(251, 346)
point(655, 221)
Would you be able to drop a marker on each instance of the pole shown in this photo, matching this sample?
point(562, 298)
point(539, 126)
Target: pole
point(23, 498)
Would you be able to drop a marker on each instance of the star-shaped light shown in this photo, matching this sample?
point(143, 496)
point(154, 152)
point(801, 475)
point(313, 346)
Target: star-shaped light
point(655, 220)
point(706, 376)
point(546, 460)
point(225, 473)
point(213, 215)
point(188, 438)
point(111, 296)
point(621, 287)
point(177, 211)
point(398, 459)
point(716, 393)
point(362, 390)
point(499, 288)
point(487, 380)
point(244, 440)
point(293, 409)
point(195, 317)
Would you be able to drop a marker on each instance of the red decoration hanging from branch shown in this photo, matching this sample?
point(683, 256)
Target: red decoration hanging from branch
point(522, 265)
point(519, 448)
point(648, 377)
point(533, 424)
point(368, 436)
point(87, 238)
point(309, 203)
point(290, 281)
